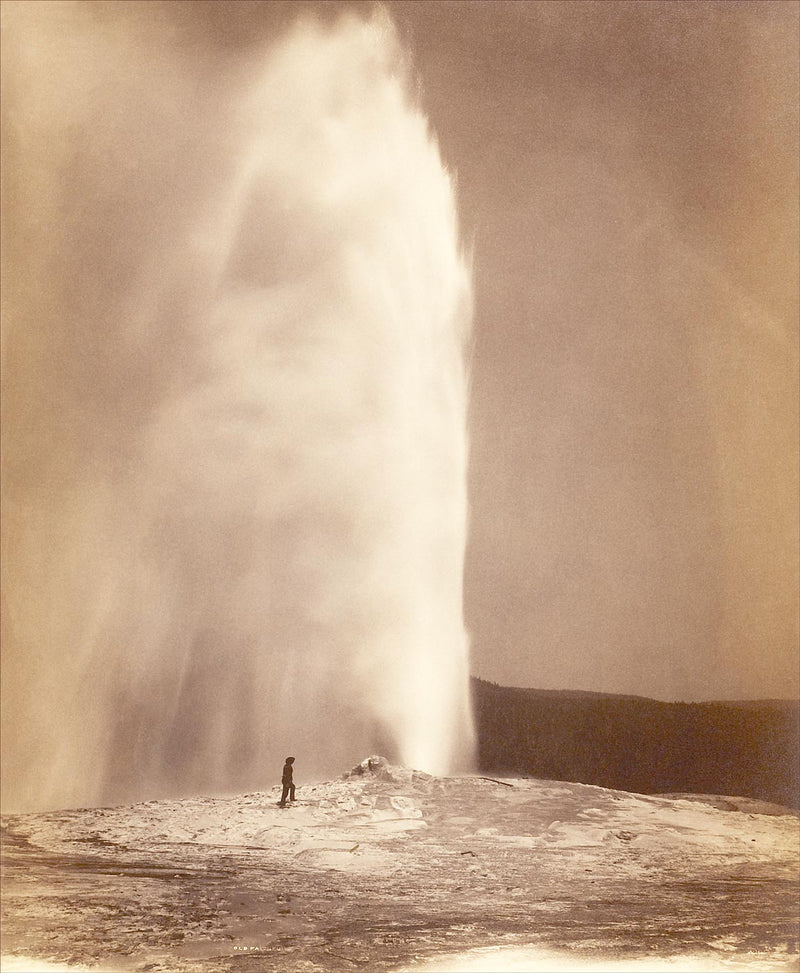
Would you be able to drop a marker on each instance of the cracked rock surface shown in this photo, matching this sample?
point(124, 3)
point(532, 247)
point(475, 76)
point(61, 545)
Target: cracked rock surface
point(388, 869)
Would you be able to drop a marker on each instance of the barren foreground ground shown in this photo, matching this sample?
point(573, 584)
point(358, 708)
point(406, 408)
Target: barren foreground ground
point(390, 870)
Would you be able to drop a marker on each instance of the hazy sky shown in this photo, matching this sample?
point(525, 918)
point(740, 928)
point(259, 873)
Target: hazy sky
point(627, 177)
point(628, 180)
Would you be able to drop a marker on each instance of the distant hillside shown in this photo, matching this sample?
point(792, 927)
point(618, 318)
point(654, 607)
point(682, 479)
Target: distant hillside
point(631, 743)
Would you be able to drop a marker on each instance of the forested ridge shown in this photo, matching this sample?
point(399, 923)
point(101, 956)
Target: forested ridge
point(742, 748)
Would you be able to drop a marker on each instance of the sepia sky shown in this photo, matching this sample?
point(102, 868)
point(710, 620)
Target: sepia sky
point(628, 182)
point(627, 176)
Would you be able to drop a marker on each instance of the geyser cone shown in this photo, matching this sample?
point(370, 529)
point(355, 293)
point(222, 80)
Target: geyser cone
point(252, 536)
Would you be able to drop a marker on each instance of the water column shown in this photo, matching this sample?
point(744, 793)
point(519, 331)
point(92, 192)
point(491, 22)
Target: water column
point(273, 562)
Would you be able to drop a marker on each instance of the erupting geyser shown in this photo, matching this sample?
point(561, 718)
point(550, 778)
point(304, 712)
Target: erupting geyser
point(236, 404)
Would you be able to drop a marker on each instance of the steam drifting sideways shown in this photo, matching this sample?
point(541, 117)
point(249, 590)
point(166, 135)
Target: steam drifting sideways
point(236, 466)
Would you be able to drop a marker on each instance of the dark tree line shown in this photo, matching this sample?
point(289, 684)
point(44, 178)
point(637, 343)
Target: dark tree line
point(746, 749)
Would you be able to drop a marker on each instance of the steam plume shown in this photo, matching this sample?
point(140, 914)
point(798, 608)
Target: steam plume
point(236, 502)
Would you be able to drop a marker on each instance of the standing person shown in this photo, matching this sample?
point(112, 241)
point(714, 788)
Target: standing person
point(288, 783)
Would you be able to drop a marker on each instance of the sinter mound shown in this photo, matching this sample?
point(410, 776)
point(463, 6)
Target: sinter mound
point(379, 768)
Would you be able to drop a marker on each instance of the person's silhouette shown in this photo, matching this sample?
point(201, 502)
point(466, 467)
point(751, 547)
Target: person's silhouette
point(288, 783)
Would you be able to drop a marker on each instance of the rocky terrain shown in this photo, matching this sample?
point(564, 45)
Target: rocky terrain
point(388, 869)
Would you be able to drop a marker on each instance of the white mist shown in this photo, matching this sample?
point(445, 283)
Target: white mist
point(264, 555)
